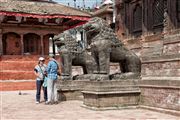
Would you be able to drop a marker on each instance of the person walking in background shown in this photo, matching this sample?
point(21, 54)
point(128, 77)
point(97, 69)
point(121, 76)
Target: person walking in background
point(52, 76)
point(39, 71)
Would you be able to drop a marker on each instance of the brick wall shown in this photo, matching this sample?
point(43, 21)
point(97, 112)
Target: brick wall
point(160, 56)
point(160, 68)
point(161, 93)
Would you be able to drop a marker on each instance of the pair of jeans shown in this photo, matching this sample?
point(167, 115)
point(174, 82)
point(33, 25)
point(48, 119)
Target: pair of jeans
point(52, 90)
point(39, 84)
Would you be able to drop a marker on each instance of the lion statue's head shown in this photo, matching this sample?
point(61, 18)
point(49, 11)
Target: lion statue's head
point(97, 28)
point(65, 41)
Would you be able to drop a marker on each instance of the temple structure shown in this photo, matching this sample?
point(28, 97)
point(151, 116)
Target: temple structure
point(151, 29)
point(35, 23)
point(26, 31)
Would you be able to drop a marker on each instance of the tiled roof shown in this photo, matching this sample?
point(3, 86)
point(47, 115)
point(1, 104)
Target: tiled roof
point(103, 10)
point(41, 8)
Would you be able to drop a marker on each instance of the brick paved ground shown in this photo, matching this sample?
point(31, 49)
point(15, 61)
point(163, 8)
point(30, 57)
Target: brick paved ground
point(23, 107)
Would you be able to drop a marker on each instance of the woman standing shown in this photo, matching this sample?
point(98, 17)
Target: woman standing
point(39, 71)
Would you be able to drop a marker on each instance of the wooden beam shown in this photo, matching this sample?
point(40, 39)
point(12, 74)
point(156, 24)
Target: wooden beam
point(19, 19)
point(1, 43)
point(66, 22)
point(2, 18)
point(57, 21)
point(22, 44)
point(40, 20)
point(42, 45)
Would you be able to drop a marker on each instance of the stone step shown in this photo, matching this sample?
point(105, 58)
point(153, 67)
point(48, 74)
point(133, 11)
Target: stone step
point(11, 85)
point(18, 65)
point(16, 75)
point(20, 57)
point(17, 72)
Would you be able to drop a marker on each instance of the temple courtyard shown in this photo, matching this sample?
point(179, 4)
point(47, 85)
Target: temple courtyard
point(22, 107)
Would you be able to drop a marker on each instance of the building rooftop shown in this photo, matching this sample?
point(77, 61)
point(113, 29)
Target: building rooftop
point(42, 8)
point(102, 10)
point(106, 2)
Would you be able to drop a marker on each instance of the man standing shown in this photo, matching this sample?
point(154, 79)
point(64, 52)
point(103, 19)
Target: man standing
point(52, 72)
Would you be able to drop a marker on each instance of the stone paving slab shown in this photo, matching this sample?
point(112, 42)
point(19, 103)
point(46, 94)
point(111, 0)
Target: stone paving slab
point(23, 107)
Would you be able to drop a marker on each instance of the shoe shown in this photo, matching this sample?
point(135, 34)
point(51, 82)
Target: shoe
point(37, 102)
point(48, 103)
point(56, 102)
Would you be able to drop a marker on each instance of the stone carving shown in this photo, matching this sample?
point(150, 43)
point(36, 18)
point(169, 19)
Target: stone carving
point(106, 48)
point(72, 54)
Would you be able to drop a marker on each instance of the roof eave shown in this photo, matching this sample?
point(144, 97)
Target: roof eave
point(74, 17)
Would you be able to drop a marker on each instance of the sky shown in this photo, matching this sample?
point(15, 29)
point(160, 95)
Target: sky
point(88, 3)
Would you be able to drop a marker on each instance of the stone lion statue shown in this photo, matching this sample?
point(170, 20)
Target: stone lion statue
point(73, 55)
point(106, 48)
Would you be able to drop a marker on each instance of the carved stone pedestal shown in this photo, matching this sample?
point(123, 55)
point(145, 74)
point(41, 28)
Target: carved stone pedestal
point(114, 94)
point(111, 100)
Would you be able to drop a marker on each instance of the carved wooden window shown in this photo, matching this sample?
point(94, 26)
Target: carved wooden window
point(133, 17)
point(137, 19)
point(178, 10)
point(158, 13)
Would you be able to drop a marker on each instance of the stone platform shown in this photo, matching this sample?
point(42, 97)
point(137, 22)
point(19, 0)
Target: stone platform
point(101, 94)
point(23, 107)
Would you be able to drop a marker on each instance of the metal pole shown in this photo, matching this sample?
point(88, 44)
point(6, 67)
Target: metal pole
point(75, 3)
point(83, 4)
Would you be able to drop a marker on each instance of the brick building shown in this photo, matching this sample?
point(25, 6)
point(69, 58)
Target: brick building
point(151, 29)
point(26, 29)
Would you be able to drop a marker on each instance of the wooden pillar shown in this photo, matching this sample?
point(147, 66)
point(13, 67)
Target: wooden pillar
point(42, 45)
point(1, 43)
point(120, 26)
point(169, 7)
point(1, 35)
point(145, 17)
point(22, 44)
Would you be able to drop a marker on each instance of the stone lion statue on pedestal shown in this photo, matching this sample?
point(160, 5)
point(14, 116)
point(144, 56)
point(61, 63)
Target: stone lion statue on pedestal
point(106, 48)
point(72, 54)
